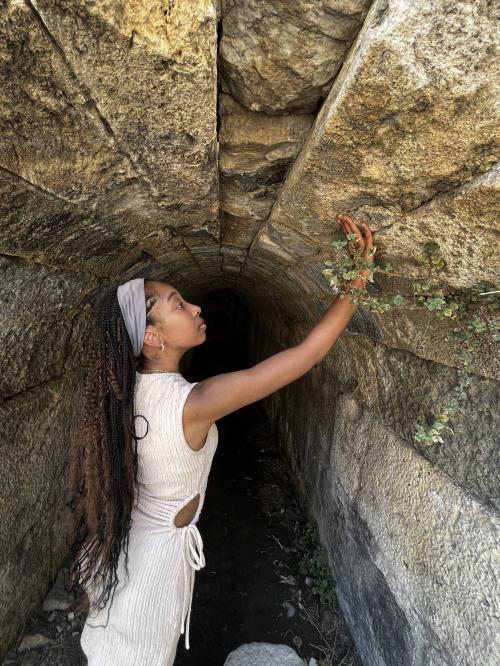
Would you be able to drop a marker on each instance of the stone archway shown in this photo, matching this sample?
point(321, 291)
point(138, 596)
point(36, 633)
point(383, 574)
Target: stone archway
point(211, 145)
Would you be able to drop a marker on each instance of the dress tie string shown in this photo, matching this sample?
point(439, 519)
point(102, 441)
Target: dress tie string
point(193, 560)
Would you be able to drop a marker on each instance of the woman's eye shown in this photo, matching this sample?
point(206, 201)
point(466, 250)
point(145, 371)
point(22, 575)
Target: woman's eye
point(180, 305)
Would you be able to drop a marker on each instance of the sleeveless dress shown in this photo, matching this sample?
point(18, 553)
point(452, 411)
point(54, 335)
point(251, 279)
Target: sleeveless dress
point(152, 607)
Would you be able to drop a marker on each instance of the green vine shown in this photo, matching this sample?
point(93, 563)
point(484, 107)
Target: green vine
point(460, 305)
point(314, 563)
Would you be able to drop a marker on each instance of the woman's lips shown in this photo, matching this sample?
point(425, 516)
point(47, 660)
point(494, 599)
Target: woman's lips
point(202, 326)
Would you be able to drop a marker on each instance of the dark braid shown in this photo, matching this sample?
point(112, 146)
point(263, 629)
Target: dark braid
point(103, 461)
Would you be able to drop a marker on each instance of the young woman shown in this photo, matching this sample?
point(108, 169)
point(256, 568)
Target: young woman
point(142, 454)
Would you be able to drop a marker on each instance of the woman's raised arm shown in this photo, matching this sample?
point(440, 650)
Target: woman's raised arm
point(217, 396)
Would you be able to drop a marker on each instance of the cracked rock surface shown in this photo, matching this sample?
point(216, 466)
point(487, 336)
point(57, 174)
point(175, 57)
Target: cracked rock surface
point(211, 145)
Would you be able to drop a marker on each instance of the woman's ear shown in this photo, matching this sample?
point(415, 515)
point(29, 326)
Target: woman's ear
point(150, 337)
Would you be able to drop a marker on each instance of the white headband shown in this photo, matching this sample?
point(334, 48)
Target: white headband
point(133, 306)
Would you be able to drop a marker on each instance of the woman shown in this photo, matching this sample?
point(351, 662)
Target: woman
point(136, 503)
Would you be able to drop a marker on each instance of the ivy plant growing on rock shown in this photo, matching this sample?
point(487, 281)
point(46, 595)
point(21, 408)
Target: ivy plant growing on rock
point(474, 311)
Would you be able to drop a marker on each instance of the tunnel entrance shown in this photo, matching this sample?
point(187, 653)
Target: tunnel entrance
point(228, 315)
point(198, 144)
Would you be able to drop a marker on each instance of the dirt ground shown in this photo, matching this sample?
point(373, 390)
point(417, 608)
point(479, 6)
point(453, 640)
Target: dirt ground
point(249, 590)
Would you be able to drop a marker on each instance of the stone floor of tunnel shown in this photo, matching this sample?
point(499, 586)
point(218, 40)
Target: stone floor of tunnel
point(250, 588)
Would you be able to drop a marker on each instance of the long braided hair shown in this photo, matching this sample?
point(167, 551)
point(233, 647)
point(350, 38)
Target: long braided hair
point(103, 461)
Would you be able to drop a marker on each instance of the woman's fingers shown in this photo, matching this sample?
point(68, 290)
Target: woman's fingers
point(369, 239)
point(368, 234)
point(364, 238)
point(343, 224)
point(353, 227)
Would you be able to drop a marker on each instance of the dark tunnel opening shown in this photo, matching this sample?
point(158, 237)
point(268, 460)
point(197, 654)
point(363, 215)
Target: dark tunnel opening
point(227, 346)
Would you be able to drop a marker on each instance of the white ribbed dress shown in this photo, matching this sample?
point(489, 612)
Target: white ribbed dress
point(152, 607)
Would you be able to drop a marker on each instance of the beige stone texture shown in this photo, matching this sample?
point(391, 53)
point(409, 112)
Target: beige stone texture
point(134, 145)
point(278, 56)
point(402, 123)
point(150, 70)
point(256, 153)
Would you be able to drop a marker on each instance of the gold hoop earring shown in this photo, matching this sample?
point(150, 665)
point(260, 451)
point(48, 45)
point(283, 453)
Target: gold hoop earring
point(162, 347)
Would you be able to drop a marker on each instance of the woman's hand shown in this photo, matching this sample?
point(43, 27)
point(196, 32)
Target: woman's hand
point(363, 241)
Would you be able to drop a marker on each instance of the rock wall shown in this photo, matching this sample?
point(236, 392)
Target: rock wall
point(108, 169)
point(412, 534)
point(407, 140)
point(211, 145)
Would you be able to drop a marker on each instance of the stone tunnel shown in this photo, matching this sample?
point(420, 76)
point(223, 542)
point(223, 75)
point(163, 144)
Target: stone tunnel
point(211, 145)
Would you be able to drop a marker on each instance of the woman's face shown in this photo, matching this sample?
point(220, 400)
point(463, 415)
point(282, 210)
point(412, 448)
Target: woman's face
point(178, 321)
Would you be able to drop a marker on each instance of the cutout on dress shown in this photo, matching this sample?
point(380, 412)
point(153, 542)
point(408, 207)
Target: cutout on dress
point(188, 512)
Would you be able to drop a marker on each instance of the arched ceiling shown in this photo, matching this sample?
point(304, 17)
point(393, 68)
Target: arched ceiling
point(212, 144)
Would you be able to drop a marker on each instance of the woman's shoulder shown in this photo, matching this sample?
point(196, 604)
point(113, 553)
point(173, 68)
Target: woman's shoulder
point(158, 383)
point(148, 377)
